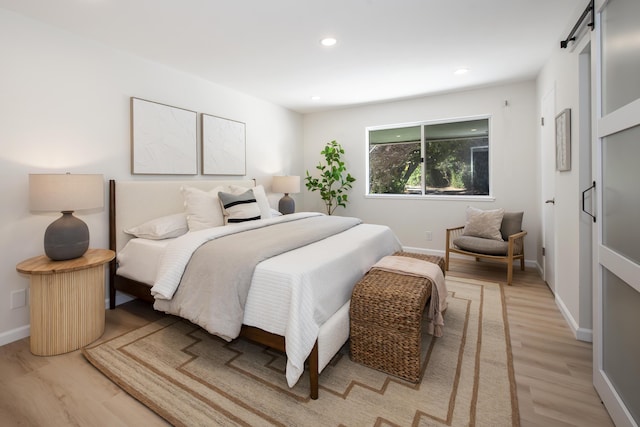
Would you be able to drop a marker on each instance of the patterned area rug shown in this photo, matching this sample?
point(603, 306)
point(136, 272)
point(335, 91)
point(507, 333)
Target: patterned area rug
point(190, 377)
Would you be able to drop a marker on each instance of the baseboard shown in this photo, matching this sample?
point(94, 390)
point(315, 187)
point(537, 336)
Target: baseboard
point(423, 251)
point(581, 334)
point(25, 331)
point(584, 334)
point(15, 335)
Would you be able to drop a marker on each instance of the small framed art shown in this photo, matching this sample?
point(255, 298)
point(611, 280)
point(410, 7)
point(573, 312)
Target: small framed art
point(223, 146)
point(163, 139)
point(563, 140)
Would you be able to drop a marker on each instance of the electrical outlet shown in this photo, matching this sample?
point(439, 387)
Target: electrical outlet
point(429, 236)
point(18, 298)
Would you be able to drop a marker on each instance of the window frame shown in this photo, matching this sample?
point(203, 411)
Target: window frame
point(423, 195)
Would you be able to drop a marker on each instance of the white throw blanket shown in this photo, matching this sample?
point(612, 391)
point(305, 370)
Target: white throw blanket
point(429, 270)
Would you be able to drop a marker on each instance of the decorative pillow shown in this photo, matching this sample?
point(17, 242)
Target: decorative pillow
point(239, 207)
point(485, 224)
point(165, 227)
point(261, 198)
point(202, 208)
point(511, 224)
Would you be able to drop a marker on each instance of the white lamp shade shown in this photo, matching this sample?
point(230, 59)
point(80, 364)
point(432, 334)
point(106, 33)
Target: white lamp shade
point(286, 184)
point(65, 192)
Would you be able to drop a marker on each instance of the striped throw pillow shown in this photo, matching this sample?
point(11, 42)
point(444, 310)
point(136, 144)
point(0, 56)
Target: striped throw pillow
point(239, 207)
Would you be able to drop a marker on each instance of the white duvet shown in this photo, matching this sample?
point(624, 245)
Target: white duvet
point(294, 293)
point(179, 251)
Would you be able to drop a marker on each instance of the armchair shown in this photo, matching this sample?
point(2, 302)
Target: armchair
point(504, 244)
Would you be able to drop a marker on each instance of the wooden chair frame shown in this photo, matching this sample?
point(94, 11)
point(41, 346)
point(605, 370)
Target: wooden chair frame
point(516, 241)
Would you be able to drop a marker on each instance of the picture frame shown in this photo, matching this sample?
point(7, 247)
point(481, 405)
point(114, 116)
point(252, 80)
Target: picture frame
point(163, 139)
point(223, 146)
point(563, 140)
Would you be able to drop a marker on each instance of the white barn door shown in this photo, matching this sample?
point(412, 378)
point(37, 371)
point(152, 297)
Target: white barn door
point(616, 299)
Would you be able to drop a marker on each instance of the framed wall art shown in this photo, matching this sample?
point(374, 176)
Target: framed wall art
point(223, 146)
point(163, 139)
point(563, 140)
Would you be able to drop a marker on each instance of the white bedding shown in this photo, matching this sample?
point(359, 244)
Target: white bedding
point(179, 251)
point(140, 258)
point(291, 294)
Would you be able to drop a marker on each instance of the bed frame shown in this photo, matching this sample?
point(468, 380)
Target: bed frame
point(155, 200)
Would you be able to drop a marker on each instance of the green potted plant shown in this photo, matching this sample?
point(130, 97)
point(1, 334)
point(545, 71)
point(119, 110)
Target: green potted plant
point(334, 180)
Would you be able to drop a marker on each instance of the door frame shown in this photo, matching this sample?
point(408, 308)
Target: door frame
point(547, 138)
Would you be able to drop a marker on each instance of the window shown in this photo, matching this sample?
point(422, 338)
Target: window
point(444, 158)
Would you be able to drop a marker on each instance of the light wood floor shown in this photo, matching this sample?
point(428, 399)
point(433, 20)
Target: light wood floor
point(553, 370)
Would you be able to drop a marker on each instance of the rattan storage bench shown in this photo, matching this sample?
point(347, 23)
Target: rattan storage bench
point(386, 317)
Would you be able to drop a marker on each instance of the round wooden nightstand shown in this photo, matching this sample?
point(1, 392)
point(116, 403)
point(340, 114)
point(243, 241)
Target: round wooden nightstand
point(67, 301)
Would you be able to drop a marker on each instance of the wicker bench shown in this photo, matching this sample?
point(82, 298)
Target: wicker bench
point(386, 317)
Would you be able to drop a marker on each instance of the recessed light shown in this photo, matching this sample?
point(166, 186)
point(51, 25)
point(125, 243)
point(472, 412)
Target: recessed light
point(328, 41)
point(461, 71)
point(315, 98)
point(474, 130)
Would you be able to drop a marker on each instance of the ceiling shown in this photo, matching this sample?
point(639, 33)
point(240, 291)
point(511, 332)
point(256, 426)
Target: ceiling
point(386, 49)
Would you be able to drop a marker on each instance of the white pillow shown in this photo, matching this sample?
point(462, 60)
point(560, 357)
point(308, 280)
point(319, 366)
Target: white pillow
point(202, 208)
point(261, 198)
point(165, 227)
point(239, 207)
point(485, 224)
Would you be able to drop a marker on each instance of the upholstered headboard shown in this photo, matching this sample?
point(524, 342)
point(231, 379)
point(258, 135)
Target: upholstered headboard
point(133, 202)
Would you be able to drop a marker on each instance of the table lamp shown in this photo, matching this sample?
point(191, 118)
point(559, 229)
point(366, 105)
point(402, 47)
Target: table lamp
point(68, 236)
point(286, 185)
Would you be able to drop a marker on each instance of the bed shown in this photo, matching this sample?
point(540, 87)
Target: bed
point(297, 299)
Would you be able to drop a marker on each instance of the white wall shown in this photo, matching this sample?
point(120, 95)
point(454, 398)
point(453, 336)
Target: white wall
point(572, 228)
point(64, 106)
point(513, 161)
